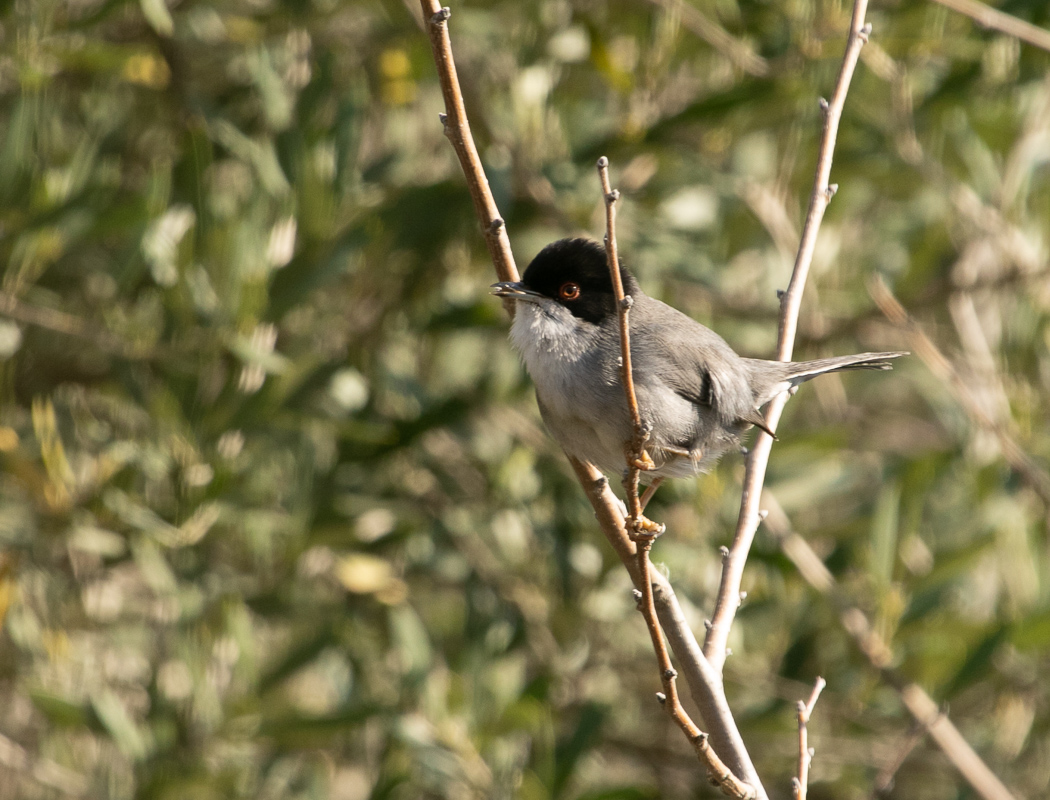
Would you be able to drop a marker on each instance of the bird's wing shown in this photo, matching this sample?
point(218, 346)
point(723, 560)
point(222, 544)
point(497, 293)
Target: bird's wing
point(696, 363)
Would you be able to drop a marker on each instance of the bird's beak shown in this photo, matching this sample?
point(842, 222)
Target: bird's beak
point(513, 291)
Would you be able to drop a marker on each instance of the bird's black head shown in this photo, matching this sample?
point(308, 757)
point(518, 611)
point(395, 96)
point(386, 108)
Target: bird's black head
point(574, 273)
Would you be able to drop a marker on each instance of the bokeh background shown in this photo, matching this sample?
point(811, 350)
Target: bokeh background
point(278, 516)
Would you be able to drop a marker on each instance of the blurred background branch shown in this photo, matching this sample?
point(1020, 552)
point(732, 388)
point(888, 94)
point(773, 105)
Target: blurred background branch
point(989, 17)
point(855, 622)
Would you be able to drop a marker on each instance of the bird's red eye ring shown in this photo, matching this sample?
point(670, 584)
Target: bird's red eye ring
point(569, 291)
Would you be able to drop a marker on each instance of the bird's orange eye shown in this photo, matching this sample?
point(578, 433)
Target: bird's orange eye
point(569, 291)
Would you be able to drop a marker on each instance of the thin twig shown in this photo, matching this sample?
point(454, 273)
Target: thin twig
point(942, 368)
point(919, 704)
point(457, 129)
point(637, 458)
point(644, 532)
point(733, 565)
point(997, 20)
point(805, 753)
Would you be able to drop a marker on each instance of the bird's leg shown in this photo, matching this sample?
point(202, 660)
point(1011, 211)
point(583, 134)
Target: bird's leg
point(650, 491)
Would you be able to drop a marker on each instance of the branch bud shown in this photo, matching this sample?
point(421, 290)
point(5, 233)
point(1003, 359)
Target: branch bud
point(603, 163)
point(661, 698)
point(441, 16)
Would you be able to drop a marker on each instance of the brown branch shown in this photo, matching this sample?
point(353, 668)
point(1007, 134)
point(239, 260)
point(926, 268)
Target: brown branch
point(805, 754)
point(637, 458)
point(997, 20)
point(457, 129)
point(733, 564)
point(919, 704)
point(942, 368)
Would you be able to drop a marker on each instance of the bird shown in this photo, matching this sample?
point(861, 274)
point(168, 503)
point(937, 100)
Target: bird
point(696, 396)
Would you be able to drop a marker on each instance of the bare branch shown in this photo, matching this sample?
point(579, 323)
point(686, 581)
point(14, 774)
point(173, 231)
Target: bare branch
point(457, 129)
point(637, 458)
point(997, 20)
point(805, 754)
point(879, 654)
point(733, 567)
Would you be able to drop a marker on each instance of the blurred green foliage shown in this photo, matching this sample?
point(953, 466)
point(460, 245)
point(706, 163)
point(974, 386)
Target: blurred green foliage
point(278, 517)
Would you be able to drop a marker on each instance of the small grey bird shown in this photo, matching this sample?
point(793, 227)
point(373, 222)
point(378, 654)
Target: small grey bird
point(698, 395)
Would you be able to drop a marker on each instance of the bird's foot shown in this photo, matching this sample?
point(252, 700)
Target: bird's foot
point(645, 528)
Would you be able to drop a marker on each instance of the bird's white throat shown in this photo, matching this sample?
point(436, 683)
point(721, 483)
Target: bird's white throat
point(551, 341)
point(550, 329)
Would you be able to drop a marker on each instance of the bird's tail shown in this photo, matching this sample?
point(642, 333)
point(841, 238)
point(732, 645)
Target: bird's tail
point(770, 378)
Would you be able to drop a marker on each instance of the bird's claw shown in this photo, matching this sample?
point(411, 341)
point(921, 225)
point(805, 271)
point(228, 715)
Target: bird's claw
point(644, 462)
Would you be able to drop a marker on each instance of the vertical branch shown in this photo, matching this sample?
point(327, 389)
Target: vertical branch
point(644, 532)
point(805, 753)
point(457, 129)
point(733, 562)
point(637, 458)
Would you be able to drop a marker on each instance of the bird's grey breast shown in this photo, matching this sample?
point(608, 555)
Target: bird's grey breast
point(574, 369)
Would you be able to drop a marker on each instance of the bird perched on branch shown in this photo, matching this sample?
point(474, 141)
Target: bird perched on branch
point(696, 394)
